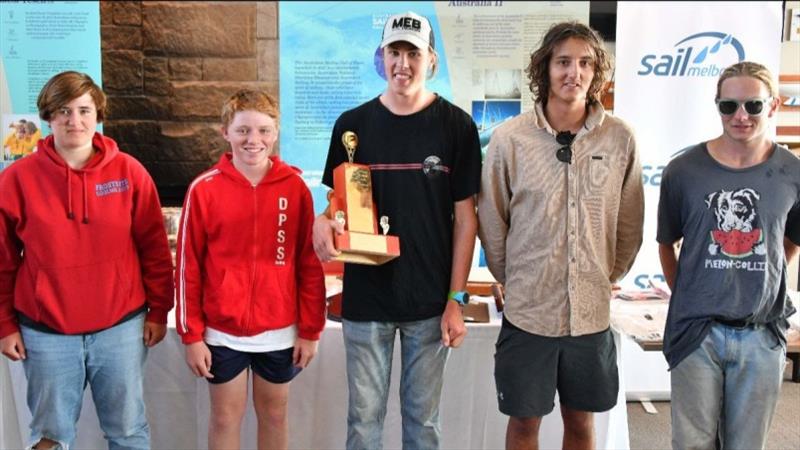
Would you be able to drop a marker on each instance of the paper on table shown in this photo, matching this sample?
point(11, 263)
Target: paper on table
point(641, 320)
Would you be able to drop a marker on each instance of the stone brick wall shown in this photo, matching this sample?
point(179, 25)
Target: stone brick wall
point(168, 67)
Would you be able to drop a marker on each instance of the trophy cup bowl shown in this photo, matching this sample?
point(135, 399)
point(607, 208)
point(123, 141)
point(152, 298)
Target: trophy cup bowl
point(351, 205)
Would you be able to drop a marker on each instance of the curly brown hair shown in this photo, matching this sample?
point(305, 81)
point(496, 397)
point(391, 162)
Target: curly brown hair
point(538, 70)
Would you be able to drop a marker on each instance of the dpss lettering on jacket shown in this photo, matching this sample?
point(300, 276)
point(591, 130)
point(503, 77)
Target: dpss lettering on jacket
point(283, 205)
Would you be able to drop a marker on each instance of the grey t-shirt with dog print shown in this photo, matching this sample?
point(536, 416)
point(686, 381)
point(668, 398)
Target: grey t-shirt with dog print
point(732, 264)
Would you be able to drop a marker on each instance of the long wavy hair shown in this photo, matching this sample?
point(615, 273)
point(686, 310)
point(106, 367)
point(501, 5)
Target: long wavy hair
point(538, 70)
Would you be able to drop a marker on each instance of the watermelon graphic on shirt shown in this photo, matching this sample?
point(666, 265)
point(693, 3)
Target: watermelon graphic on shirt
point(736, 243)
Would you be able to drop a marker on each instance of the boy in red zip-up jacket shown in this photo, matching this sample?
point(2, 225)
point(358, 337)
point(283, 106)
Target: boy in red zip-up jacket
point(250, 289)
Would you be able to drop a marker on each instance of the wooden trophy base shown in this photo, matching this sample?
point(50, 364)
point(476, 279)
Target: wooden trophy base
point(366, 248)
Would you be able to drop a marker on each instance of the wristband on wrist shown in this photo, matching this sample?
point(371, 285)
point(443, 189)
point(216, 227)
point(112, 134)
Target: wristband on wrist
point(460, 297)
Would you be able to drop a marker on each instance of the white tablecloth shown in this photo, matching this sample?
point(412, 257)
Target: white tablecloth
point(178, 405)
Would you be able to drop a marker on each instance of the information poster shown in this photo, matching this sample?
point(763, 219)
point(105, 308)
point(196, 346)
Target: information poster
point(331, 62)
point(37, 41)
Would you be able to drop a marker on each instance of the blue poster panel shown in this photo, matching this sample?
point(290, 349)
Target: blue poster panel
point(331, 62)
point(37, 41)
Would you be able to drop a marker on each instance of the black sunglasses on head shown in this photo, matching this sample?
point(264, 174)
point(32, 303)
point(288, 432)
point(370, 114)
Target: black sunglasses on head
point(564, 153)
point(752, 106)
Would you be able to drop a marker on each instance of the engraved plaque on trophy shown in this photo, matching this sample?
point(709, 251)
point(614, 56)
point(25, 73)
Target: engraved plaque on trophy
point(352, 206)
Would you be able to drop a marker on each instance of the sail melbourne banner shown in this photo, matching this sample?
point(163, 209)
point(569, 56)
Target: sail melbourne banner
point(669, 56)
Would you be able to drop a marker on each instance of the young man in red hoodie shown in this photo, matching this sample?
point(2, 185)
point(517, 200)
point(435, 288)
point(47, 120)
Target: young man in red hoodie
point(251, 292)
point(85, 271)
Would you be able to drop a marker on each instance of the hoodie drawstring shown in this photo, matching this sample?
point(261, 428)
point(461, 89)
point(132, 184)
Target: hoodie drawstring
point(85, 199)
point(70, 214)
point(70, 211)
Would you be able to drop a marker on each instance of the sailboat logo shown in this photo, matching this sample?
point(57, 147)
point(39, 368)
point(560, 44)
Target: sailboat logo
point(699, 55)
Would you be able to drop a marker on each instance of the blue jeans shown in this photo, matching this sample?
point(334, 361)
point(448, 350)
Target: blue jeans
point(59, 367)
point(726, 390)
point(369, 347)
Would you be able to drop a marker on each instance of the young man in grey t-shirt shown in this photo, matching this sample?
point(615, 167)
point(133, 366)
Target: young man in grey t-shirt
point(735, 202)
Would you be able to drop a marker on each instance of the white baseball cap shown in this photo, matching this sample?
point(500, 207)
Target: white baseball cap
point(409, 27)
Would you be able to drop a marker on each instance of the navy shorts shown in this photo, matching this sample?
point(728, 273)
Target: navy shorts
point(275, 367)
point(528, 369)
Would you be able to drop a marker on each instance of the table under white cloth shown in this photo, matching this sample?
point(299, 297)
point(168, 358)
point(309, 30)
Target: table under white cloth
point(178, 404)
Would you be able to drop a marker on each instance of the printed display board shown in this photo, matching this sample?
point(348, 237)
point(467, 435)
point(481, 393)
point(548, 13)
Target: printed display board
point(37, 41)
point(331, 62)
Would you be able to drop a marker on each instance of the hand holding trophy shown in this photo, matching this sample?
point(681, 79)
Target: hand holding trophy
point(352, 206)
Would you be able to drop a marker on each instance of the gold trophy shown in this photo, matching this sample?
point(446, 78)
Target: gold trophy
point(351, 205)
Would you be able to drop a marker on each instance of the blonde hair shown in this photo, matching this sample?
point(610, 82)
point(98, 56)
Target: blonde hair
point(249, 100)
point(435, 65)
point(752, 70)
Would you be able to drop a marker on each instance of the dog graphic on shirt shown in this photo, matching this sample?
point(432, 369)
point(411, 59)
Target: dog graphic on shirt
point(735, 213)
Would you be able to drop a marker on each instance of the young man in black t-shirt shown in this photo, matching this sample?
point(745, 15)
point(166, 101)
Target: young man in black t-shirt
point(424, 156)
